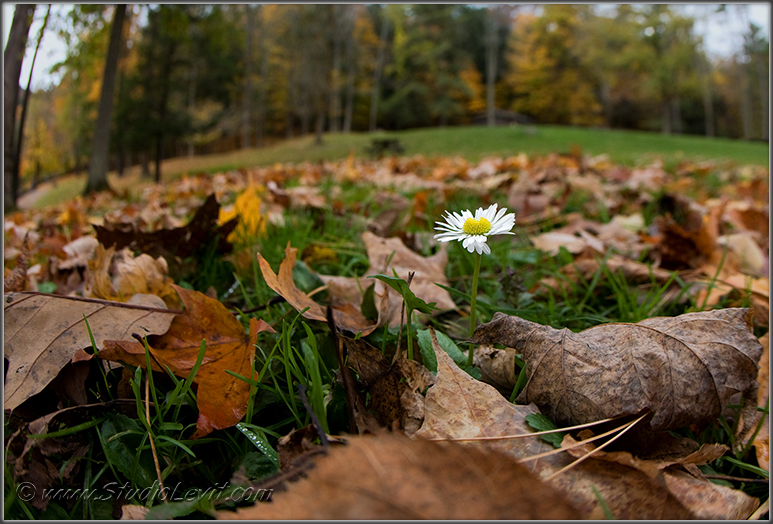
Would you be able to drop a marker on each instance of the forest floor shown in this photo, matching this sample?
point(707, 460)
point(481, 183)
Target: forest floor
point(294, 331)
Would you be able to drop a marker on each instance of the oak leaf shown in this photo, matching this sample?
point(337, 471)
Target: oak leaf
point(683, 369)
point(44, 332)
point(458, 406)
point(221, 397)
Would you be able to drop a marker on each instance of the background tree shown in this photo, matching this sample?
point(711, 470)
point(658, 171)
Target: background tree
point(100, 148)
point(13, 58)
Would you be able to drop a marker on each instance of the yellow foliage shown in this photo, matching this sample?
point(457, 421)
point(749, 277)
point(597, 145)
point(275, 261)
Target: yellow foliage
point(472, 79)
point(247, 207)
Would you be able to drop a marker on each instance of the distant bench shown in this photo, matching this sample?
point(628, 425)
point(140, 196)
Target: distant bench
point(381, 146)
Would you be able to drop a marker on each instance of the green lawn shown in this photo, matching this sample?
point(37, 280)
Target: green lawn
point(471, 142)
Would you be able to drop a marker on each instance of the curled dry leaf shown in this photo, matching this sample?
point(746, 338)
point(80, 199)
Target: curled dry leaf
point(458, 406)
point(44, 332)
point(497, 367)
point(118, 276)
point(221, 397)
point(346, 316)
point(683, 369)
point(393, 387)
point(391, 477)
point(428, 272)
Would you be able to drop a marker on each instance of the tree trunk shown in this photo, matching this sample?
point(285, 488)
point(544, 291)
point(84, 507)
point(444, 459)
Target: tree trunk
point(334, 96)
point(762, 78)
point(676, 115)
point(262, 95)
point(192, 101)
point(349, 98)
point(492, 45)
point(320, 127)
point(665, 111)
point(708, 102)
point(25, 104)
point(746, 103)
point(247, 109)
point(100, 148)
point(374, 95)
point(13, 57)
point(170, 50)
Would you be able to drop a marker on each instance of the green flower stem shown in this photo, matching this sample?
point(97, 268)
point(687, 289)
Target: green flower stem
point(473, 297)
point(410, 335)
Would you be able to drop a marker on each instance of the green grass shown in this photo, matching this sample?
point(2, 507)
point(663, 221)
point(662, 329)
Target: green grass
point(302, 354)
point(473, 143)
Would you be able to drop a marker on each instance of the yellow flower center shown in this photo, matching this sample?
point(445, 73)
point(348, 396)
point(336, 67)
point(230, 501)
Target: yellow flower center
point(479, 226)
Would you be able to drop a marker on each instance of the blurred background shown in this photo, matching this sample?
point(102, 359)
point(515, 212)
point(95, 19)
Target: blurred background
point(201, 79)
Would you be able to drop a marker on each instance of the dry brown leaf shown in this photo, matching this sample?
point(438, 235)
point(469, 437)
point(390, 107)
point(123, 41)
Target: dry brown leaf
point(458, 406)
point(118, 276)
point(761, 441)
point(391, 477)
point(683, 369)
point(692, 242)
point(393, 387)
point(43, 333)
point(221, 397)
point(497, 367)
point(428, 271)
point(48, 462)
point(79, 252)
point(133, 512)
point(282, 283)
point(16, 280)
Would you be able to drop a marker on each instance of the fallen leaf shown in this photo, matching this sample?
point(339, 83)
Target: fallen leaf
point(761, 440)
point(683, 369)
point(348, 318)
point(691, 242)
point(428, 272)
point(44, 332)
point(133, 512)
point(221, 397)
point(392, 387)
point(180, 242)
point(47, 462)
point(391, 477)
point(79, 252)
point(460, 407)
point(16, 280)
point(119, 276)
point(497, 367)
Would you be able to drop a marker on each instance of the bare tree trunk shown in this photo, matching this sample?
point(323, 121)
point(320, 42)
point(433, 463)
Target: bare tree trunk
point(100, 148)
point(247, 109)
point(746, 103)
point(334, 96)
point(492, 44)
point(320, 127)
point(676, 115)
point(25, 104)
point(263, 80)
point(192, 101)
point(665, 109)
point(762, 78)
point(374, 96)
point(349, 98)
point(704, 70)
point(13, 57)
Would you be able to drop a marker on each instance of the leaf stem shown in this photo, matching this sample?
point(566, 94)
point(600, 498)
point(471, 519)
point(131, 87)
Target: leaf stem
point(473, 296)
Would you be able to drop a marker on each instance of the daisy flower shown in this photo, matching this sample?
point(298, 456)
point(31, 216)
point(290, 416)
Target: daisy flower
point(473, 230)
